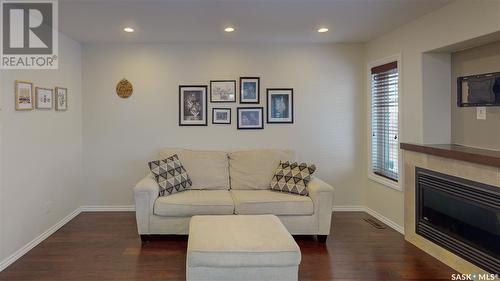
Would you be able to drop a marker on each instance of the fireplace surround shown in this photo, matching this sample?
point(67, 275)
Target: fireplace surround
point(460, 215)
point(469, 164)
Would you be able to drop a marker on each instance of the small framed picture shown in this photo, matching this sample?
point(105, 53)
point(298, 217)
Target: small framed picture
point(61, 99)
point(221, 115)
point(223, 91)
point(250, 118)
point(24, 95)
point(193, 105)
point(44, 98)
point(249, 89)
point(279, 105)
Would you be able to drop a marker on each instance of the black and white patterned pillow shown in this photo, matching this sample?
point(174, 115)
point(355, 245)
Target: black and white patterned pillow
point(170, 175)
point(292, 177)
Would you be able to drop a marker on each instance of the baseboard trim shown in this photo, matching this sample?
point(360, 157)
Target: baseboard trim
point(40, 238)
point(110, 208)
point(349, 208)
point(385, 220)
point(130, 208)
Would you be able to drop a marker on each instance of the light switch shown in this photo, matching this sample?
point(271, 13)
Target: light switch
point(481, 113)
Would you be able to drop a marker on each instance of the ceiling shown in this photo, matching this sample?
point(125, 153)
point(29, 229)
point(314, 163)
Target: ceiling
point(200, 21)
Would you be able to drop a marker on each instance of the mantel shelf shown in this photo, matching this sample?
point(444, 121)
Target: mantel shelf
point(457, 152)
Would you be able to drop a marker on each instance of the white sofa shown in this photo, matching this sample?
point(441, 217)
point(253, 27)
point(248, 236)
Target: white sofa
point(231, 183)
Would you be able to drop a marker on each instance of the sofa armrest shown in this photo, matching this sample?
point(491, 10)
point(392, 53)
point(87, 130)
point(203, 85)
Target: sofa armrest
point(145, 194)
point(321, 194)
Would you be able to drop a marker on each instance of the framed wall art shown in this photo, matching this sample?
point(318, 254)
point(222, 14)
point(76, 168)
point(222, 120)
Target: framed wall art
point(223, 91)
point(280, 105)
point(24, 95)
point(192, 105)
point(221, 115)
point(44, 98)
point(249, 118)
point(61, 99)
point(249, 89)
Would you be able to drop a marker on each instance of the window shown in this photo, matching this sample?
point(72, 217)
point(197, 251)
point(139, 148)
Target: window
point(384, 121)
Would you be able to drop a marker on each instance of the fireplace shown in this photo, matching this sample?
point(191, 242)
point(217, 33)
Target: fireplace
point(459, 215)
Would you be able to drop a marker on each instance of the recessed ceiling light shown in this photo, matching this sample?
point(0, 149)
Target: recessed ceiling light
point(323, 30)
point(229, 29)
point(129, 29)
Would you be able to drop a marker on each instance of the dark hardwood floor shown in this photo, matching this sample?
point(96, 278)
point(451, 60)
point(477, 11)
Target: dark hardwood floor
point(105, 246)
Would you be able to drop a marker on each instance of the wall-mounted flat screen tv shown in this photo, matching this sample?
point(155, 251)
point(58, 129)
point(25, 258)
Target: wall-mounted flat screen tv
point(479, 90)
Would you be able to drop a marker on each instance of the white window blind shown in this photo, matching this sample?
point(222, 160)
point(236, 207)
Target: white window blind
point(384, 88)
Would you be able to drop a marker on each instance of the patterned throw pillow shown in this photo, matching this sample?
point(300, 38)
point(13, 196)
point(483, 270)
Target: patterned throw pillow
point(292, 177)
point(170, 175)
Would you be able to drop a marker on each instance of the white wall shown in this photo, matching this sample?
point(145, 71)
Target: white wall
point(121, 135)
point(436, 97)
point(41, 153)
point(459, 21)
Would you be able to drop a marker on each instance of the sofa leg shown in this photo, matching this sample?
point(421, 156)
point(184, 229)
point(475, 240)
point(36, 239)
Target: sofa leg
point(322, 238)
point(144, 238)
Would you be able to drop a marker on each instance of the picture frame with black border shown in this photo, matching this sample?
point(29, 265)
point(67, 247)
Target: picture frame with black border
point(249, 90)
point(44, 98)
point(222, 91)
point(193, 105)
point(217, 120)
point(279, 105)
point(250, 118)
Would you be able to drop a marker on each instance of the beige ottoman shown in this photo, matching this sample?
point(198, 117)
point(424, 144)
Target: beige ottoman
point(241, 248)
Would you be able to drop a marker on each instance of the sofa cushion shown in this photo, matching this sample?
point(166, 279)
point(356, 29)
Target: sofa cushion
point(254, 169)
point(207, 169)
point(195, 202)
point(170, 175)
point(292, 177)
point(259, 202)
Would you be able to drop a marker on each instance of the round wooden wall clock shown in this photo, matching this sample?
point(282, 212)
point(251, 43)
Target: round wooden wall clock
point(124, 88)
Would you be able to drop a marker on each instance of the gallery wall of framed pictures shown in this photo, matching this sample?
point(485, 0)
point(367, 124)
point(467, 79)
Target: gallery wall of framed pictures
point(194, 100)
point(41, 98)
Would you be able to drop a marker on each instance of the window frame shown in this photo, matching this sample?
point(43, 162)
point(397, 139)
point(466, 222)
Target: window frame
point(371, 175)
